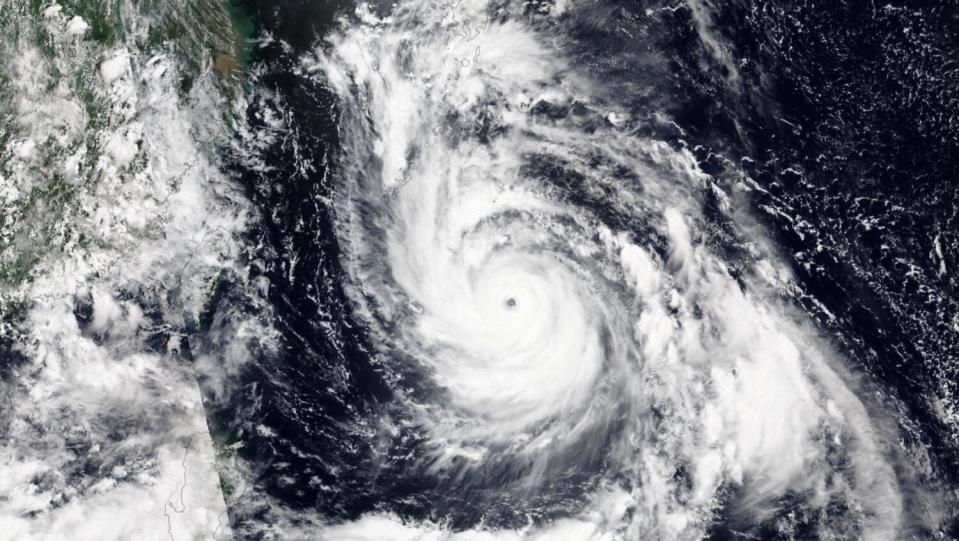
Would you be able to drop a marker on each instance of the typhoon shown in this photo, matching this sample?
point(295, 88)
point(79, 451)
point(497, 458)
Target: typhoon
point(548, 274)
point(481, 270)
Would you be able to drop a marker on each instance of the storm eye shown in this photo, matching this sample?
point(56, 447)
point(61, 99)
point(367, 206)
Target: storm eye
point(510, 303)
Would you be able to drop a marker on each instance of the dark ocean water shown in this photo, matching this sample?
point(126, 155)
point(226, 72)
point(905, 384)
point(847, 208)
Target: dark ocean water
point(842, 118)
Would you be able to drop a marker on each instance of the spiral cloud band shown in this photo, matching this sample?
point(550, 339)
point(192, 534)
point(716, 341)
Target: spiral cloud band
point(545, 271)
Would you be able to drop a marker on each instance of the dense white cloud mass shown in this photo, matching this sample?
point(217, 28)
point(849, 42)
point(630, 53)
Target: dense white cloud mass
point(104, 431)
point(546, 326)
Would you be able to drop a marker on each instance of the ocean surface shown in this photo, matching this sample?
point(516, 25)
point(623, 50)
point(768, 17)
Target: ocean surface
point(479, 270)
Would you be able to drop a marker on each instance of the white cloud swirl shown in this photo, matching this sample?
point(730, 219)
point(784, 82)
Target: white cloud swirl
point(544, 322)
